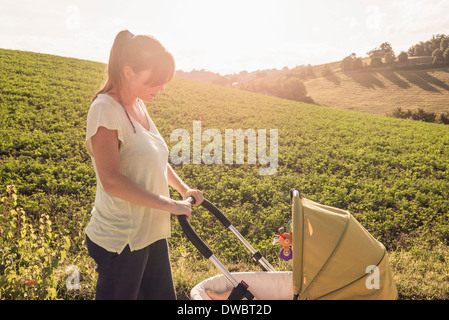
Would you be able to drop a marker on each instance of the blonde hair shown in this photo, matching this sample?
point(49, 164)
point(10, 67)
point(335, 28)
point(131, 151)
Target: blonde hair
point(140, 52)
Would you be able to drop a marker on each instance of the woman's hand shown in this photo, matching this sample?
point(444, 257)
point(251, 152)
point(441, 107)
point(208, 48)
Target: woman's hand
point(197, 194)
point(182, 208)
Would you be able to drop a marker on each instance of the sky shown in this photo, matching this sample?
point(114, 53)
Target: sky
point(224, 36)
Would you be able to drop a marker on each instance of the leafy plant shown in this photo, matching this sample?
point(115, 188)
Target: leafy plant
point(31, 254)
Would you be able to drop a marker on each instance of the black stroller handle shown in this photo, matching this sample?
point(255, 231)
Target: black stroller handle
point(216, 212)
point(204, 249)
point(240, 289)
point(192, 235)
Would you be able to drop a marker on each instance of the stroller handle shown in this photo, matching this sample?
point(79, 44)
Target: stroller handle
point(216, 212)
point(240, 289)
point(204, 249)
point(192, 235)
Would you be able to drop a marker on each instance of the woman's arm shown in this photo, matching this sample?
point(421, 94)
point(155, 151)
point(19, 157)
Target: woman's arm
point(181, 187)
point(107, 160)
point(176, 182)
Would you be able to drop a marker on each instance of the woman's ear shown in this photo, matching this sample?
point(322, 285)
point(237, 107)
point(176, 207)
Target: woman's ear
point(128, 72)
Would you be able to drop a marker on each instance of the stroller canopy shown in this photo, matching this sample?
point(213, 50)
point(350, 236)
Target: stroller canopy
point(334, 257)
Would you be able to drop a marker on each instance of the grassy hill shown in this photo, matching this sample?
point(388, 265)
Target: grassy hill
point(392, 174)
point(407, 85)
point(382, 91)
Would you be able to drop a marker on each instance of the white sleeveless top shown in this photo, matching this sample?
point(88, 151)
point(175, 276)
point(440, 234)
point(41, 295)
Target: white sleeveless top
point(144, 157)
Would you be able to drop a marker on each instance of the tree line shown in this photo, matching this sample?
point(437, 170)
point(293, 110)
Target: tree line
point(421, 115)
point(289, 84)
point(437, 48)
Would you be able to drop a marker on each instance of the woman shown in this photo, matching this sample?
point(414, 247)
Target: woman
point(130, 223)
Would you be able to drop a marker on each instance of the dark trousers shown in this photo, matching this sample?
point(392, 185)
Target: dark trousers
point(143, 274)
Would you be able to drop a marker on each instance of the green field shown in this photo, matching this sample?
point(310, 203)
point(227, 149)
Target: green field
point(391, 174)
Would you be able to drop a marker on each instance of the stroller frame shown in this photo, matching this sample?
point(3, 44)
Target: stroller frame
point(240, 289)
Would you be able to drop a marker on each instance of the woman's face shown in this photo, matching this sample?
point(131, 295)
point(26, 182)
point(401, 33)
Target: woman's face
point(141, 87)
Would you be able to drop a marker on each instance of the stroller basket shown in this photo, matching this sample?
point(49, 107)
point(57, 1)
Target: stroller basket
point(334, 258)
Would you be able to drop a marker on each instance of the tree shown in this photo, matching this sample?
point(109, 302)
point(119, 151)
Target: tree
point(420, 50)
point(351, 62)
point(437, 56)
point(398, 113)
point(422, 115)
point(346, 63)
point(376, 62)
point(426, 48)
point(446, 56)
point(389, 58)
point(309, 71)
point(221, 81)
point(384, 48)
point(403, 56)
point(261, 74)
point(326, 71)
point(434, 43)
point(293, 89)
point(442, 118)
point(357, 64)
point(444, 44)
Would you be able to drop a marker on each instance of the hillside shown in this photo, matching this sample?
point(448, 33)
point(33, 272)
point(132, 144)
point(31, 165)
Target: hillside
point(392, 174)
point(407, 85)
point(382, 91)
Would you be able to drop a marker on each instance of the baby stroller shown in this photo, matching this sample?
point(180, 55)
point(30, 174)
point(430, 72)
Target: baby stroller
point(334, 258)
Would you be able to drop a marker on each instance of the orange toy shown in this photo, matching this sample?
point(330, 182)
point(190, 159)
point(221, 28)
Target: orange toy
point(285, 239)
